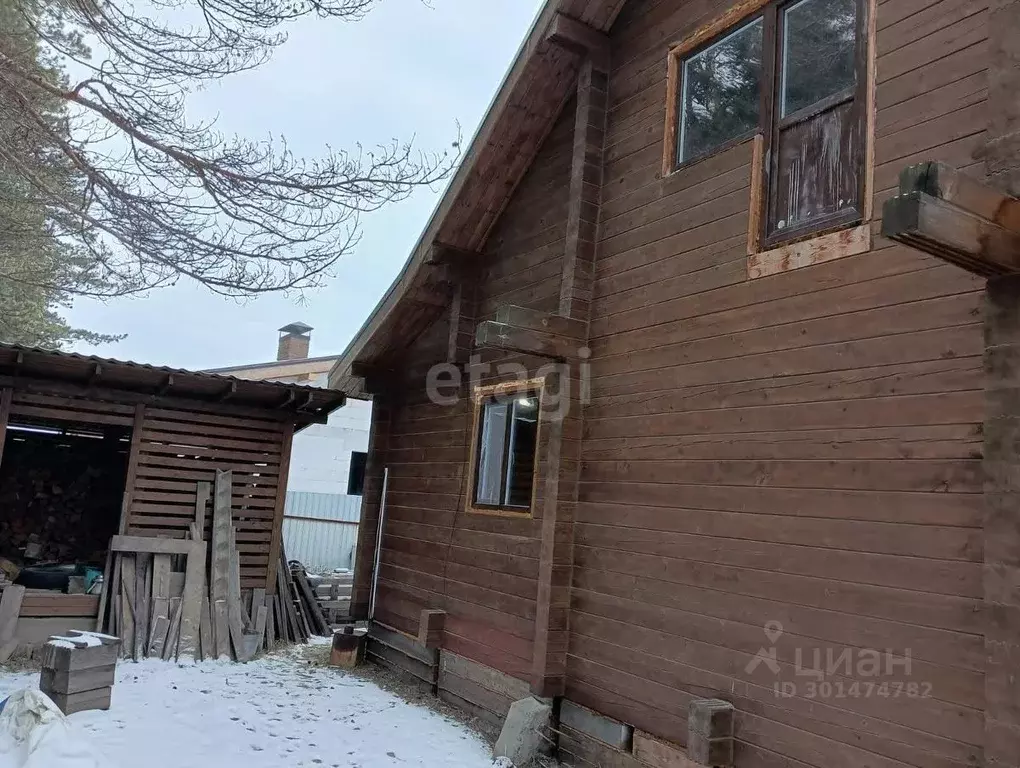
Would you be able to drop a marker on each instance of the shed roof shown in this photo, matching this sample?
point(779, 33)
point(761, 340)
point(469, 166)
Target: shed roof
point(525, 108)
point(305, 404)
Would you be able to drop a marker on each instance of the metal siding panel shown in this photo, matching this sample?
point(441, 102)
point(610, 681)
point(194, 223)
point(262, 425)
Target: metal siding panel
point(320, 529)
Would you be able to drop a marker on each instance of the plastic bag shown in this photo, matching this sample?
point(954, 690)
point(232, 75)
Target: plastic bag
point(35, 734)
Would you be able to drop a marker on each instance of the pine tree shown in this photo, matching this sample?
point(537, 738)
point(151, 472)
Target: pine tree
point(40, 258)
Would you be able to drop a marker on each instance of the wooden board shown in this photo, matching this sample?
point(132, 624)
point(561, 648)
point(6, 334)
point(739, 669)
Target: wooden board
point(150, 545)
point(220, 579)
point(10, 610)
point(235, 607)
point(128, 626)
point(207, 646)
point(192, 602)
point(160, 605)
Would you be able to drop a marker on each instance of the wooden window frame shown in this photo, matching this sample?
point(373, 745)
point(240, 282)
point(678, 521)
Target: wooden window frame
point(481, 396)
point(677, 60)
point(773, 122)
point(765, 157)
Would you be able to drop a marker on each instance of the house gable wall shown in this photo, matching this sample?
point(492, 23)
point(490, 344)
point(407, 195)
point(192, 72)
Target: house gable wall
point(802, 448)
point(480, 569)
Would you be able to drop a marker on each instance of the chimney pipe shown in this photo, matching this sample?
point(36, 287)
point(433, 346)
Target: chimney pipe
point(294, 342)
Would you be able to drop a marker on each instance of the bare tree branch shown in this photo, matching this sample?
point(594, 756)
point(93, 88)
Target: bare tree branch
point(147, 197)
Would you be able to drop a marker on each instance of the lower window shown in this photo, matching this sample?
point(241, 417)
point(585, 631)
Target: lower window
point(507, 449)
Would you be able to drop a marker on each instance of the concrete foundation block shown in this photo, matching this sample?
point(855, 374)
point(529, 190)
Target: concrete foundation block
point(525, 733)
point(710, 733)
point(606, 730)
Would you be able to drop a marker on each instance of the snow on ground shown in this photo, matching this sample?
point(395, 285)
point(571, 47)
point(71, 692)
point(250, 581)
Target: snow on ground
point(274, 712)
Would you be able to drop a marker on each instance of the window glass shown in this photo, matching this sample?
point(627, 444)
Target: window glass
point(356, 475)
point(491, 448)
point(819, 40)
point(520, 474)
point(720, 97)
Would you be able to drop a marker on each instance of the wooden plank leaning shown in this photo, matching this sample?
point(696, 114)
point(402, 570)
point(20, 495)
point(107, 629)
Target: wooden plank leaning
point(220, 578)
point(10, 609)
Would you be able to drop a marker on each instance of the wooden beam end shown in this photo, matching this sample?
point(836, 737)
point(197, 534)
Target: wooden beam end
point(576, 36)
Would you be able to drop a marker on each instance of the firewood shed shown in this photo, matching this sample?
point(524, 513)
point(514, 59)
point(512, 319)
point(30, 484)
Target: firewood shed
point(93, 447)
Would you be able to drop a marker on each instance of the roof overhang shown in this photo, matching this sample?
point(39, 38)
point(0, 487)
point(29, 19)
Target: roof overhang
point(104, 378)
point(525, 109)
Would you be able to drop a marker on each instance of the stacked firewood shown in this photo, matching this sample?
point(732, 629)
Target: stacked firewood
point(45, 519)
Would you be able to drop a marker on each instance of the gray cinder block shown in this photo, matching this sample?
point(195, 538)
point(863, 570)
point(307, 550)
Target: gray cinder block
point(525, 732)
point(710, 733)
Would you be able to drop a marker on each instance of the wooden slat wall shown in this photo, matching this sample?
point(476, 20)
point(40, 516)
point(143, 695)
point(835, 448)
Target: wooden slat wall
point(179, 448)
point(38, 408)
point(481, 569)
point(803, 448)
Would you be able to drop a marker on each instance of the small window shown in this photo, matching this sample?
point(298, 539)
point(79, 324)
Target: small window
point(721, 92)
point(507, 448)
point(356, 476)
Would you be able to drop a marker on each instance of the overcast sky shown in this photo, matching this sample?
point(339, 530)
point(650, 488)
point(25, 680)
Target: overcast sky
point(406, 70)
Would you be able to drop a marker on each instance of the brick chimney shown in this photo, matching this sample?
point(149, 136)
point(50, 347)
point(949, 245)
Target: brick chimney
point(294, 342)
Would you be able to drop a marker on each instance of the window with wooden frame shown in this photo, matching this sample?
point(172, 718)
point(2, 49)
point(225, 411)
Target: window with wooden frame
point(505, 455)
point(796, 72)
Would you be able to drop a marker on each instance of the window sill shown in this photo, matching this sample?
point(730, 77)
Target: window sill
point(817, 250)
point(520, 514)
point(691, 162)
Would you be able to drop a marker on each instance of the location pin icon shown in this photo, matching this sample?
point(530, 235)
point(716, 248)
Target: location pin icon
point(773, 631)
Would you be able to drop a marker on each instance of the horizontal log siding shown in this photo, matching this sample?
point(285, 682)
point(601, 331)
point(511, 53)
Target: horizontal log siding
point(803, 448)
point(481, 569)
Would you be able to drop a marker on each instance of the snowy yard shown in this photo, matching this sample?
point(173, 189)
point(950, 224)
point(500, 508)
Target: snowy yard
point(274, 712)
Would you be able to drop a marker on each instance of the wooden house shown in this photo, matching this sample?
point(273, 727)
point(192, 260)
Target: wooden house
point(92, 447)
point(661, 416)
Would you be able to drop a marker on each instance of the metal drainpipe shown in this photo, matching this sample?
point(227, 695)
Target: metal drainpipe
point(378, 543)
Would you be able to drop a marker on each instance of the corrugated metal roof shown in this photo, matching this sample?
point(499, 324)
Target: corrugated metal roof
point(23, 363)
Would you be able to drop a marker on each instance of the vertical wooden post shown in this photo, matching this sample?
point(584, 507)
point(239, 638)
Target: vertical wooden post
point(1002, 412)
point(585, 192)
point(281, 501)
point(463, 317)
point(6, 395)
point(1002, 524)
point(106, 598)
point(371, 501)
point(132, 469)
point(563, 437)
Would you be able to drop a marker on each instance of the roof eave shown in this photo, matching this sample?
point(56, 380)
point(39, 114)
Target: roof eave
point(339, 376)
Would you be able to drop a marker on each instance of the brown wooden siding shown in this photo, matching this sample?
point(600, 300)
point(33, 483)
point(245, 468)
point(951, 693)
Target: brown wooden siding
point(481, 569)
point(803, 448)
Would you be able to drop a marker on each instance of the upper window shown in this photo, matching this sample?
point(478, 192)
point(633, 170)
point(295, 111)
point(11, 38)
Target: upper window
point(721, 92)
point(819, 40)
point(507, 442)
point(796, 74)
